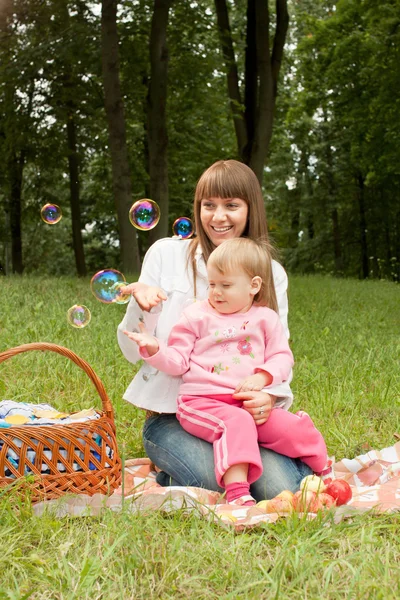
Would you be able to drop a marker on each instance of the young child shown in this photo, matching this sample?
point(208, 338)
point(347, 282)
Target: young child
point(233, 342)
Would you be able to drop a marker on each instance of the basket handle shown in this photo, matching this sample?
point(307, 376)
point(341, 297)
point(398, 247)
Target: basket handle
point(107, 407)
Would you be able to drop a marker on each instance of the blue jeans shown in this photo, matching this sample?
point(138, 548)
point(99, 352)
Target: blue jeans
point(188, 460)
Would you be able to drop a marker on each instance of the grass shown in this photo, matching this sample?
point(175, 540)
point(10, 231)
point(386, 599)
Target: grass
point(345, 337)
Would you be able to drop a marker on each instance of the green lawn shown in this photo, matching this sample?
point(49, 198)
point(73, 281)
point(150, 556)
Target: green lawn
point(346, 341)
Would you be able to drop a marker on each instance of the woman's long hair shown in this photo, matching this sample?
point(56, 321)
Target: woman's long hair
point(228, 179)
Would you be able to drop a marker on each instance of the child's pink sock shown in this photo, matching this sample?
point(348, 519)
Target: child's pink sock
point(238, 489)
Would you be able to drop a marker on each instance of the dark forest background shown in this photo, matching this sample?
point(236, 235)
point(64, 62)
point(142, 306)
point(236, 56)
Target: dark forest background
point(104, 103)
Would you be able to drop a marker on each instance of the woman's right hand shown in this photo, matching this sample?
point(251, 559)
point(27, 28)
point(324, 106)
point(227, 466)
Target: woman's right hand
point(146, 296)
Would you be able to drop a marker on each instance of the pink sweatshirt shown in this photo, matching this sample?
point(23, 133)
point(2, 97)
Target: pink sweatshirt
point(213, 352)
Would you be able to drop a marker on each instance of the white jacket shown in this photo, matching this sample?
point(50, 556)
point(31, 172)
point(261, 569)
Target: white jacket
point(165, 266)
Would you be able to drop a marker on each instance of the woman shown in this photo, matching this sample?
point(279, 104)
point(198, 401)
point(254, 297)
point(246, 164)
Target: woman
point(228, 203)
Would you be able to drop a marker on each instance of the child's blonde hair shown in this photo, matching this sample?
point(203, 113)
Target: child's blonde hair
point(254, 258)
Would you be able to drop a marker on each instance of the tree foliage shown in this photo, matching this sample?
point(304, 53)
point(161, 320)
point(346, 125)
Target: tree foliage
point(330, 170)
point(340, 128)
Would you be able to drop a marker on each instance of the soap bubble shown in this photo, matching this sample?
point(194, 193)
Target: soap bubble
point(144, 214)
point(183, 228)
point(103, 285)
point(51, 214)
point(120, 298)
point(78, 316)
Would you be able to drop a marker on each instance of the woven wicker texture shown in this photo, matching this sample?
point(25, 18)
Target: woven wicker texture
point(79, 458)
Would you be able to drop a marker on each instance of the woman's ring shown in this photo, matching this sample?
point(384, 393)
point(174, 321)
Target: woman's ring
point(262, 411)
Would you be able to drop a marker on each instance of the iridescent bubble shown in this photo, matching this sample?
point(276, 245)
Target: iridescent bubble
point(183, 228)
point(51, 214)
point(120, 298)
point(103, 285)
point(78, 316)
point(144, 214)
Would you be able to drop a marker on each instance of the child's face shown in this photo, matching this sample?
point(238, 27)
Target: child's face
point(231, 292)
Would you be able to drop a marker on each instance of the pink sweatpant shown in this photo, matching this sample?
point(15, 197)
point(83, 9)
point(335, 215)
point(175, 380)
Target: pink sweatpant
point(222, 421)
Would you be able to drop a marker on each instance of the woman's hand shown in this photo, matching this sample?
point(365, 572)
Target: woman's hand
point(258, 404)
point(146, 296)
point(144, 339)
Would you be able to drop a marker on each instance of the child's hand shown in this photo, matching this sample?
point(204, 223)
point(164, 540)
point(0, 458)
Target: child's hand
point(254, 383)
point(144, 339)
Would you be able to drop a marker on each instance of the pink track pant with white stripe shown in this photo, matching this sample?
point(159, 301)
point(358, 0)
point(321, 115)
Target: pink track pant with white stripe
point(222, 421)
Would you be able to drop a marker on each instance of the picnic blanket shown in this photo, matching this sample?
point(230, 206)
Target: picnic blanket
point(374, 478)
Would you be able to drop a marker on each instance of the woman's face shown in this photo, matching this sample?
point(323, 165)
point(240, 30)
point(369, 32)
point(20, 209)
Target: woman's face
point(223, 218)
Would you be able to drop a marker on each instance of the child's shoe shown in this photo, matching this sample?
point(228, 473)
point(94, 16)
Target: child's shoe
point(246, 500)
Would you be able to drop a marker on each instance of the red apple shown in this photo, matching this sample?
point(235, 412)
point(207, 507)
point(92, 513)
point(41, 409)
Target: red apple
point(340, 491)
point(304, 501)
point(326, 500)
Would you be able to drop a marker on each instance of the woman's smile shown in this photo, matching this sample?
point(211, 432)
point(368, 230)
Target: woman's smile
point(222, 229)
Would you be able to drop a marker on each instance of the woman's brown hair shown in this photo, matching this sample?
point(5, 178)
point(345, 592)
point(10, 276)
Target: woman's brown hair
point(228, 179)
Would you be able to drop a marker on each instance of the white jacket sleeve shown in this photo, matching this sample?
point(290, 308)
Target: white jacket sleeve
point(282, 390)
point(151, 275)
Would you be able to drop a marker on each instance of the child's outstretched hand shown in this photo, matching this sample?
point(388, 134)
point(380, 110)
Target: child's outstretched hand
point(144, 339)
point(254, 383)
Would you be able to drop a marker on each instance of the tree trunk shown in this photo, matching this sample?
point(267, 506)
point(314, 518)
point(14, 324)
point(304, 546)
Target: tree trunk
point(228, 52)
point(336, 240)
point(16, 164)
point(15, 157)
point(122, 186)
point(396, 248)
point(7, 241)
point(73, 164)
point(331, 184)
point(266, 100)
point(15, 170)
point(250, 80)
point(261, 77)
point(156, 116)
point(362, 226)
point(69, 101)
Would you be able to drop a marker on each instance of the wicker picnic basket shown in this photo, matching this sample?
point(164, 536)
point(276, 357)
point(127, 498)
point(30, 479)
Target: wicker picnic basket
point(51, 460)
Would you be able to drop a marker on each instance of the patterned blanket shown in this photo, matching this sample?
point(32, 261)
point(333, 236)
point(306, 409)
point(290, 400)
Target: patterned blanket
point(374, 478)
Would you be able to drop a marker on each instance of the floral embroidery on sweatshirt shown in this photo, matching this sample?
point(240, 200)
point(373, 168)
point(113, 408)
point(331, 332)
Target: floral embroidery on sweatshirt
point(219, 368)
point(218, 340)
point(244, 325)
point(236, 360)
point(245, 348)
point(224, 347)
point(229, 332)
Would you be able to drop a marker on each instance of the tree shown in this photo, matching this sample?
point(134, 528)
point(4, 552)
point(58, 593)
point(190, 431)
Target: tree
point(69, 84)
point(14, 130)
point(254, 116)
point(122, 186)
point(157, 136)
point(343, 128)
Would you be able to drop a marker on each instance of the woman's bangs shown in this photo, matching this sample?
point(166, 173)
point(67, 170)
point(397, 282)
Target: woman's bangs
point(220, 184)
